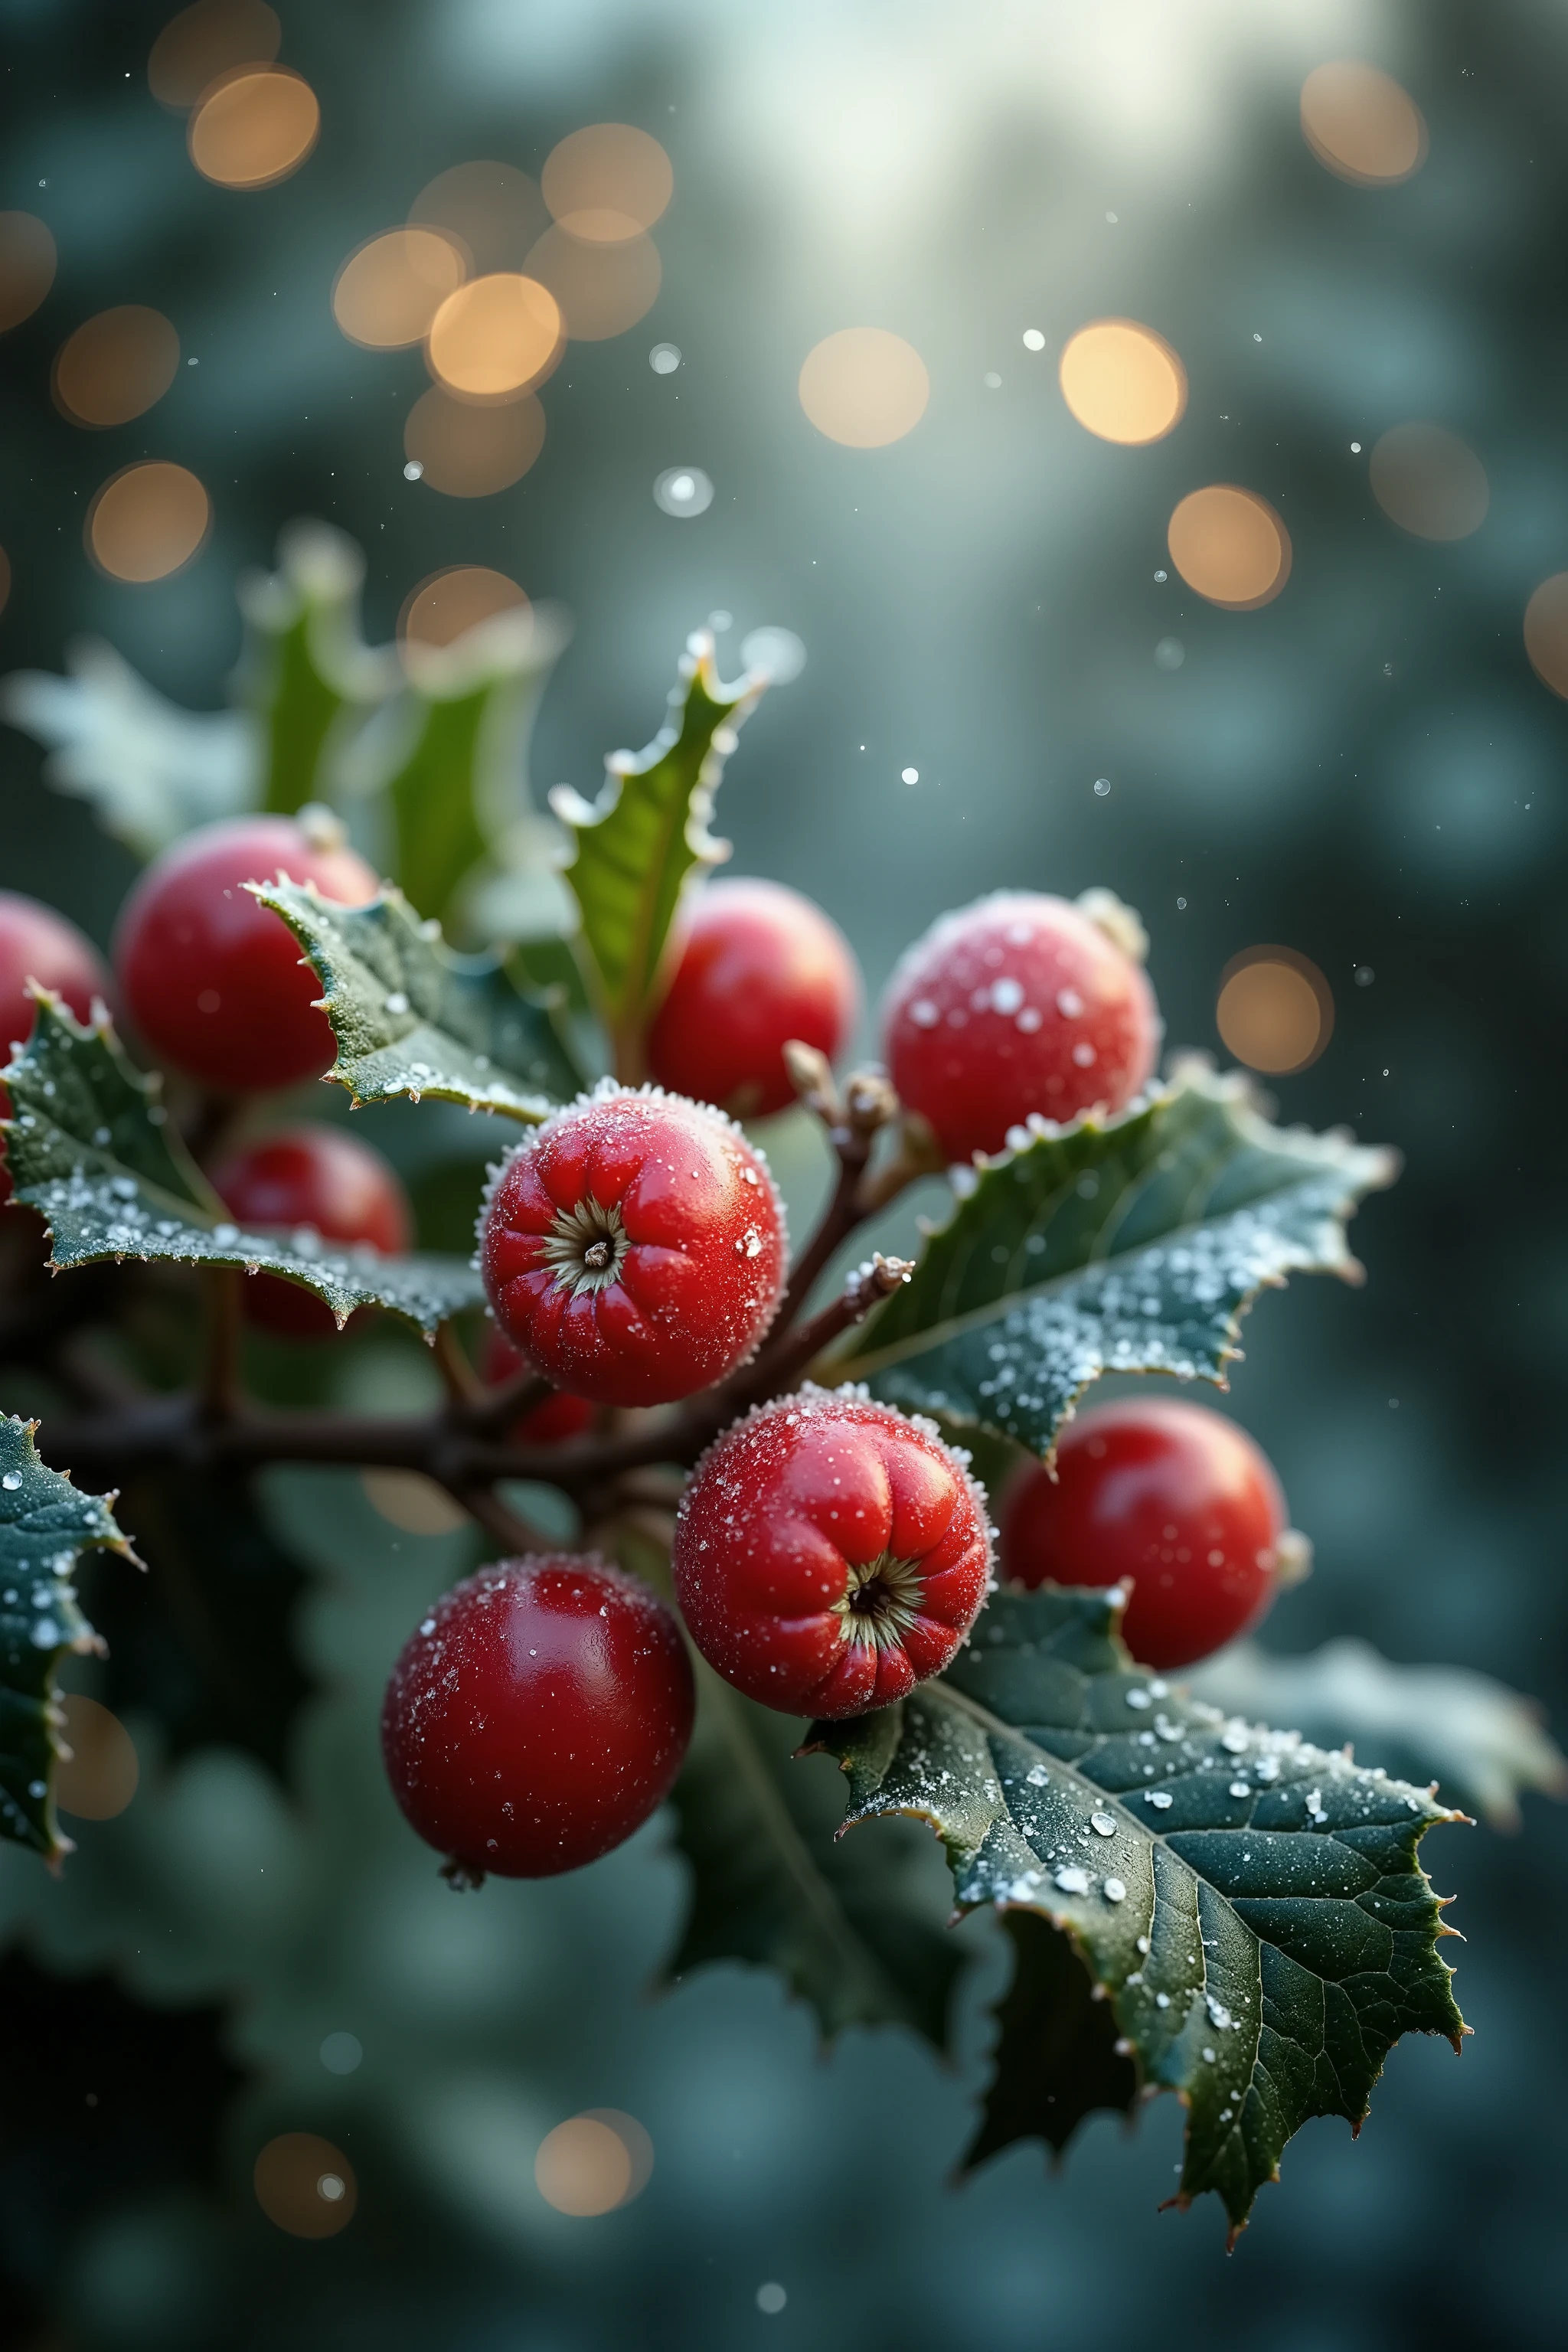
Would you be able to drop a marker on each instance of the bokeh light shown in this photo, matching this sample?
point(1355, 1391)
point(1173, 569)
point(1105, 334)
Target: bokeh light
point(776, 653)
point(603, 288)
point(594, 2162)
point(147, 521)
point(115, 365)
point(209, 39)
point(458, 599)
point(1360, 123)
point(1123, 381)
point(494, 211)
point(305, 2185)
point(683, 490)
point(468, 452)
point(621, 177)
point(1546, 633)
point(1276, 1010)
point(1231, 546)
point(408, 1499)
point(495, 338)
point(98, 1778)
point(1429, 482)
point(27, 265)
point(390, 289)
point(253, 127)
point(864, 387)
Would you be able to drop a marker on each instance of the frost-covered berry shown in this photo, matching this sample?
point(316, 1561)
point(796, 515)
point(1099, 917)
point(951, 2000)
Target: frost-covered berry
point(633, 1248)
point(830, 1554)
point(756, 965)
point(1167, 1496)
point(213, 979)
point(1020, 1004)
point(537, 1717)
point(324, 1179)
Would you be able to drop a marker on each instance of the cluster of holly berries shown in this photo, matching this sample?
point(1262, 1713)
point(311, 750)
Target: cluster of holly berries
point(830, 1552)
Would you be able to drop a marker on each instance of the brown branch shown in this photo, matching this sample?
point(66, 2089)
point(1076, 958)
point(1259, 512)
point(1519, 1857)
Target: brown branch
point(222, 1310)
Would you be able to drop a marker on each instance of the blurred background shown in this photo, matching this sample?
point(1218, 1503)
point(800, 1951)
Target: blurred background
point(1251, 604)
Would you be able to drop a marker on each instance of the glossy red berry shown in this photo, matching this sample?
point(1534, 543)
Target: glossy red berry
point(757, 965)
point(1020, 1003)
point(830, 1554)
point(551, 1421)
point(634, 1247)
point(1170, 1497)
point(37, 944)
point(322, 1178)
point(537, 1717)
point(213, 981)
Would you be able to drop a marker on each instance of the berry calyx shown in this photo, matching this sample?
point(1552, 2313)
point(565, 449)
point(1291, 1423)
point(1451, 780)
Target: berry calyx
point(756, 965)
point(553, 1419)
point(1019, 1004)
point(322, 1179)
point(830, 1554)
point(634, 1247)
point(213, 980)
point(1174, 1500)
point(35, 943)
point(537, 1717)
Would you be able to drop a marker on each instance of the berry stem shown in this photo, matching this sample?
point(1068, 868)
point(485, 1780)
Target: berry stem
point(219, 1394)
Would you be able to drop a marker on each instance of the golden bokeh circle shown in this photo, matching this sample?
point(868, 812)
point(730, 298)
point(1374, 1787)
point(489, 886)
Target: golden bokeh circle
point(148, 521)
point(115, 365)
point(1231, 546)
point(495, 338)
point(453, 601)
point(305, 2185)
point(1123, 381)
point(864, 387)
point(1275, 1010)
point(391, 287)
point(1361, 124)
point(27, 265)
point(603, 285)
point(207, 40)
point(253, 127)
point(613, 171)
point(494, 211)
point(98, 1779)
point(468, 452)
point(584, 2166)
point(1546, 633)
point(1429, 482)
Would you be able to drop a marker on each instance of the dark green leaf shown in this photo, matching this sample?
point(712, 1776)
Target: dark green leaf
point(307, 676)
point(638, 842)
point(865, 1945)
point(412, 1019)
point(1132, 1246)
point(45, 1525)
point(89, 1147)
point(1055, 2059)
point(1251, 1907)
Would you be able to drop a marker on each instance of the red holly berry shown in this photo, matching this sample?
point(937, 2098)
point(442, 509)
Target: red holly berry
point(1171, 1498)
point(634, 1247)
point(829, 1554)
point(327, 1180)
point(37, 944)
point(553, 1419)
point(537, 1717)
point(213, 980)
point(757, 965)
point(1020, 1003)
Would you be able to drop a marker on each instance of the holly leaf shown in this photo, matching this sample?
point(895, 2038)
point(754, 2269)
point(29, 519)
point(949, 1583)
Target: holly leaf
point(1129, 1246)
point(770, 1887)
point(1484, 1743)
point(1057, 2059)
point(1250, 1908)
point(412, 1018)
point(307, 677)
point(45, 1525)
point(634, 848)
point(90, 1148)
